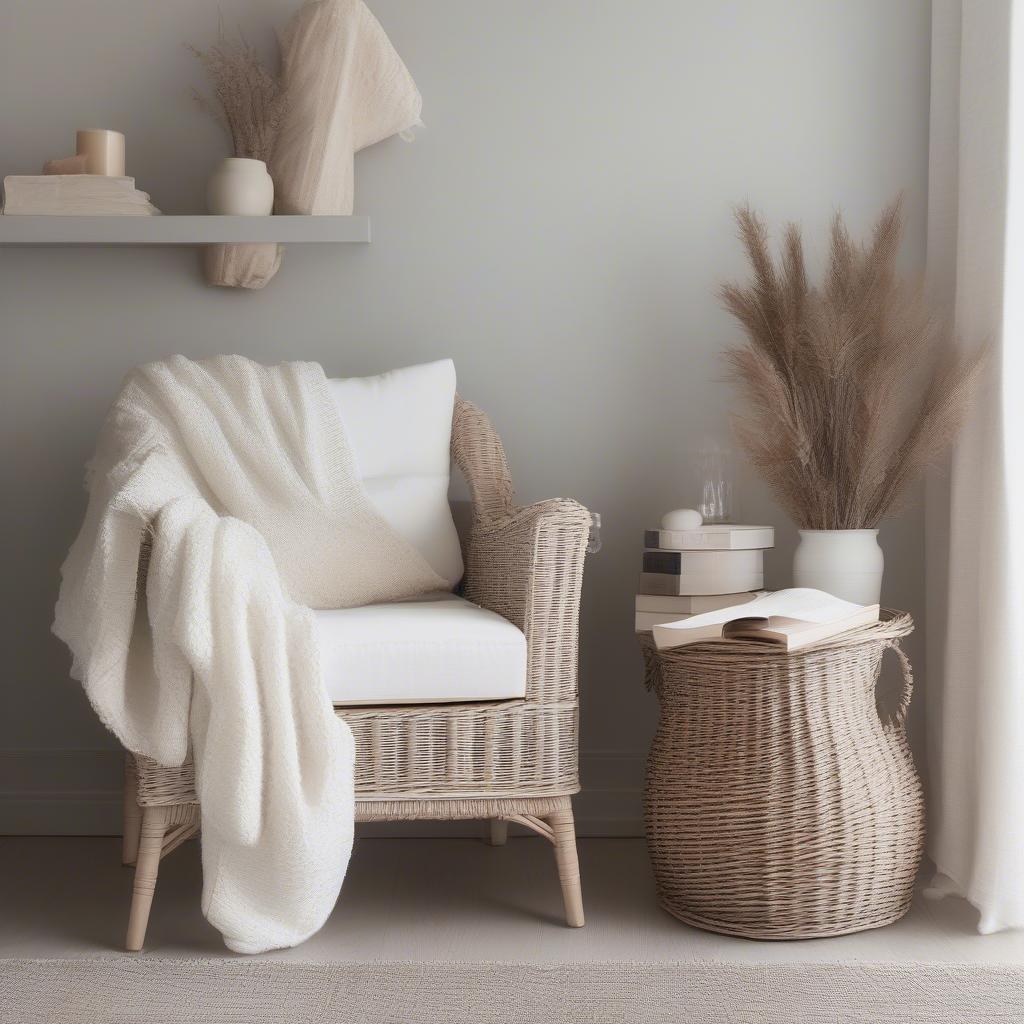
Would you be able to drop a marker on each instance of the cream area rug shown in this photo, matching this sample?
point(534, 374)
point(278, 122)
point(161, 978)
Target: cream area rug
point(119, 990)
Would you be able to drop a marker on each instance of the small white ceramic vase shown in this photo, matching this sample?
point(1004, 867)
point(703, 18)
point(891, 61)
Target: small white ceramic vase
point(240, 187)
point(845, 563)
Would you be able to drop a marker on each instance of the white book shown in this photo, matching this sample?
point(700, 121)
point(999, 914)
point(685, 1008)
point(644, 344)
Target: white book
point(716, 536)
point(703, 562)
point(104, 184)
point(788, 619)
point(646, 621)
point(74, 194)
point(699, 584)
point(692, 604)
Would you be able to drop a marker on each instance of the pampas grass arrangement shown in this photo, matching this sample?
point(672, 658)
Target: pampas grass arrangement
point(250, 101)
point(851, 386)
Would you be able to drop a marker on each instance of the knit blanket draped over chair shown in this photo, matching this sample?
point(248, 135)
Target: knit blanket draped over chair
point(223, 505)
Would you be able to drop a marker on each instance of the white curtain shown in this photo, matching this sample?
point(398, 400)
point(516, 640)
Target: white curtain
point(975, 687)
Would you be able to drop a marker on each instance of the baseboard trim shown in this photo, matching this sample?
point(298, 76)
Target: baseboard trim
point(72, 814)
point(78, 793)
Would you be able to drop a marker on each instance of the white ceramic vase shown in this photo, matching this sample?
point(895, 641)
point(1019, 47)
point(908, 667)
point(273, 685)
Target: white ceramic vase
point(845, 563)
point(240, 187)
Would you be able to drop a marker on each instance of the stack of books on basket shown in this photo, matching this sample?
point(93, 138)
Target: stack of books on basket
point(690, 567)
point(704, 582)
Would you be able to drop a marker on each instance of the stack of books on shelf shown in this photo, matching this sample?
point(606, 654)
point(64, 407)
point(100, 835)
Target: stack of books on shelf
point(75, 194)
point(698, 570)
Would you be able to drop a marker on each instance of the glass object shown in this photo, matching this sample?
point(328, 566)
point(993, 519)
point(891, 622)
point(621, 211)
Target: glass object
point(716, 483)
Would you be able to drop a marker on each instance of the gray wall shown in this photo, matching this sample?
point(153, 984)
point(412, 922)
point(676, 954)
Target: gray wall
point(558, 229)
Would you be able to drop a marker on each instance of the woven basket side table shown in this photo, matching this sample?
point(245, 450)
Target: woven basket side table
point(779, 802)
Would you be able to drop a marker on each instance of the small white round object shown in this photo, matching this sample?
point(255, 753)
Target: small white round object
point(682, 519)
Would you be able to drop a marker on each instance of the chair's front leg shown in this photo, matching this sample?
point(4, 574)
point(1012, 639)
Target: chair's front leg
point(147, 865)
point(564, 829)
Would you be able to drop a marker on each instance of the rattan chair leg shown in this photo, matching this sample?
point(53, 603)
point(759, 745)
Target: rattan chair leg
point(568, 865)
point(132, 816)
point(497, 832)
point(147, 865)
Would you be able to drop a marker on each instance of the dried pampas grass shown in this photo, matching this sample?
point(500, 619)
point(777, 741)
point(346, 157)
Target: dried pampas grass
point(852, 387)
point(250, 101)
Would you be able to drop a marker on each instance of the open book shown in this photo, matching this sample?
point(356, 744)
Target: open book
point(790, 619)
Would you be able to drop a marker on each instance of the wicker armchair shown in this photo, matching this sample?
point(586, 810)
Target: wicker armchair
point(506, 760)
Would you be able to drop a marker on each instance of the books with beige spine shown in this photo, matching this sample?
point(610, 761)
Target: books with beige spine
point(699, 584)
point(654, 609)
point(646, 621)
point(74, 195)
point(693, 604)
point(686, 563)
point(711, 537)
point(787, 619)
point(678, 572)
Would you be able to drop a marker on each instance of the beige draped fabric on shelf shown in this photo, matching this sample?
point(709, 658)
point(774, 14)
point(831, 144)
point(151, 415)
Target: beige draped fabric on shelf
point(347, 89)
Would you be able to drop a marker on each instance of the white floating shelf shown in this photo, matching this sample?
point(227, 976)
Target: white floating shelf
point(27, 229)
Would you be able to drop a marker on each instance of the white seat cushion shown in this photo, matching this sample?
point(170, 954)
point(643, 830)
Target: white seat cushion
point(430, 650)
point(399, 428)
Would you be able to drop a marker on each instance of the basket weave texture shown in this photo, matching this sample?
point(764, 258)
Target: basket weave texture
point(780, 802)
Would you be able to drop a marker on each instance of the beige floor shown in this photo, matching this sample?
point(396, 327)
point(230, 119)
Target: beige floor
point(439, 899)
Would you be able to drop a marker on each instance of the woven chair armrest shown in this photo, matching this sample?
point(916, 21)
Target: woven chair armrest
point(528, 567)
point(479, 454)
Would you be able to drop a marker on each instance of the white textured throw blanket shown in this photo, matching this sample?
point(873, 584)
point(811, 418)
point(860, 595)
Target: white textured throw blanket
point(241, 477)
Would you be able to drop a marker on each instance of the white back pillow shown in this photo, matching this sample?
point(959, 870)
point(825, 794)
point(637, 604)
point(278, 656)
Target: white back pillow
point(399, 427)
